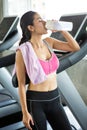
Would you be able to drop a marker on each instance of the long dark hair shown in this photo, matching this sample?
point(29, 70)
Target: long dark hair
point(26, 19)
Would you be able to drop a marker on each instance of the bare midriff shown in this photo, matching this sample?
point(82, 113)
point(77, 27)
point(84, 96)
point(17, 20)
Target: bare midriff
point(49, 84)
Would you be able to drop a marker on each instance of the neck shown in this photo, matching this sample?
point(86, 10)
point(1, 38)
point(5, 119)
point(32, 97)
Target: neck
point(36, 42)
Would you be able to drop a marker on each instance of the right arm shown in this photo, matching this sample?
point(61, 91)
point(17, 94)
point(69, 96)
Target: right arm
point(20, 70)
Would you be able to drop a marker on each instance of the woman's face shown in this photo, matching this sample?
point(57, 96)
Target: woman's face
point(39, 25)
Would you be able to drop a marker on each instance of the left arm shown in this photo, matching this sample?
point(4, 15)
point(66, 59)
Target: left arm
point(69, 45)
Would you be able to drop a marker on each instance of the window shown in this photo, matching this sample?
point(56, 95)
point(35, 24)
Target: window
point(17, 7)
point(47, 8)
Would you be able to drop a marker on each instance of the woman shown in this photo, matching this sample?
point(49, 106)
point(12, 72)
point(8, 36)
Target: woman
point(34, 56)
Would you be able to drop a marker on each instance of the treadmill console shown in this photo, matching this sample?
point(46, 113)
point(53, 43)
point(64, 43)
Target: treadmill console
point(7, 26)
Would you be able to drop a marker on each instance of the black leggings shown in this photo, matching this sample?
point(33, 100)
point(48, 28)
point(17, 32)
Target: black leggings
point(46, 106)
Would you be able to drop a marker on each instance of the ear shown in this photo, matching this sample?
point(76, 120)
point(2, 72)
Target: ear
point(31, 28)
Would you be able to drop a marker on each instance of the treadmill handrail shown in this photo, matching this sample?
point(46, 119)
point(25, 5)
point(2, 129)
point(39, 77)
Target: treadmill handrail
point(72, 58)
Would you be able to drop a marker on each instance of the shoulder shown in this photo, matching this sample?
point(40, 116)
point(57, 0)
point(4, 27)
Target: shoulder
point(23, 47)
point(21, 50)
point(49, 40)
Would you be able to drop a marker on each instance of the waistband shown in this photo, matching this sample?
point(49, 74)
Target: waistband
point(42, 96)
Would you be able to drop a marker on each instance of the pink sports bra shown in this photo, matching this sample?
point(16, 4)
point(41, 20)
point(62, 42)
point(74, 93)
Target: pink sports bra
point(50, 65)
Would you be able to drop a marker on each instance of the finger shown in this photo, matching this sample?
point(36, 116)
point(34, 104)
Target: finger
point(27, 125)
point(32, 122)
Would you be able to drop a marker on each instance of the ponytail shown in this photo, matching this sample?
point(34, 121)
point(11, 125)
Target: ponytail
point(26, 36)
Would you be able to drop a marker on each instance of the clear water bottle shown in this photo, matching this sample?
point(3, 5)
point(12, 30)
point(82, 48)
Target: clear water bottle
point(59, 25)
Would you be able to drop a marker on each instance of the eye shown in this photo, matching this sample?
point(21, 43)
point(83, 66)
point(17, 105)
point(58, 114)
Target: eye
point(40, 19)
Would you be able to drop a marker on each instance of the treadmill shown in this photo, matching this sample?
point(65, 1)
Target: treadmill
point(70, 96)
point(9, 107)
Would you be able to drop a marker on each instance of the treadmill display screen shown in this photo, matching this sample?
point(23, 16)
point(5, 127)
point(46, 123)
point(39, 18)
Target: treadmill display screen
point(76, 19)
point(7, 25)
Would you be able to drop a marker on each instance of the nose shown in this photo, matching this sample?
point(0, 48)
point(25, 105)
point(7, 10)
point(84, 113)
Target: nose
point(44, 22)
